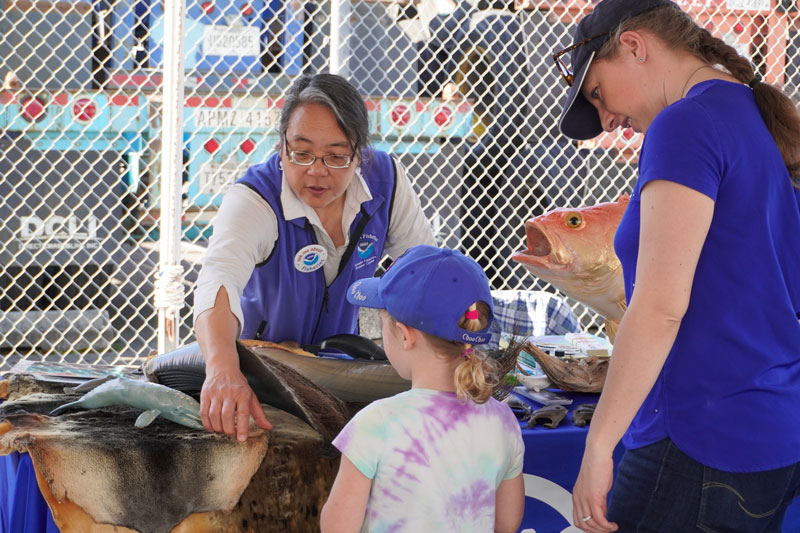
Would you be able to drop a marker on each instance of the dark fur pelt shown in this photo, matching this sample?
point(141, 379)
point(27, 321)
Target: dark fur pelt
point(98, 469)
point(323, 411)
point(273, 382)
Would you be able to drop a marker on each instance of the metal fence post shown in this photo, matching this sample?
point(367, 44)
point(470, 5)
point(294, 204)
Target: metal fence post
point(169, 282)
point(340, 37)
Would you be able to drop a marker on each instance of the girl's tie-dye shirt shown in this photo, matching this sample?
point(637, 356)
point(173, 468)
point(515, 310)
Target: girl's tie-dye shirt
point(435, 461)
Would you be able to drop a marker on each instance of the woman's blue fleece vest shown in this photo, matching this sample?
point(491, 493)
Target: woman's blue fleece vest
point(281, 303)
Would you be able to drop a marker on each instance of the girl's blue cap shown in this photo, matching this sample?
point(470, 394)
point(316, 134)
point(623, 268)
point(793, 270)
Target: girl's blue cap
point(429, 289)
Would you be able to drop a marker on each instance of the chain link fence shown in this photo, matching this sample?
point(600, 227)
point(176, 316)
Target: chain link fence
point(463, 92)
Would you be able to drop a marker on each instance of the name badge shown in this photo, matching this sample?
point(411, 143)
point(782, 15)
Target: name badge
point(310, 258)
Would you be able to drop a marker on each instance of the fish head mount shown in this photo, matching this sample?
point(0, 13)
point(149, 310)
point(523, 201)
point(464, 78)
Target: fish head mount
point(573, 249)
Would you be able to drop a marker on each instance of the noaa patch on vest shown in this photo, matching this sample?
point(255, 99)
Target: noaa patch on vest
point(365, 249)
point(310, 258)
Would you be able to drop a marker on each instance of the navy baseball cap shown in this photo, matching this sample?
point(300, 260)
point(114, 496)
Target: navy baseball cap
point(429, 289)
point(579, 119)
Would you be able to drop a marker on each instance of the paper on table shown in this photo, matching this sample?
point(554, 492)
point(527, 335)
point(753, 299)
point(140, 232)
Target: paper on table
point(544, 397)
point(68, 372)
point(590, 344)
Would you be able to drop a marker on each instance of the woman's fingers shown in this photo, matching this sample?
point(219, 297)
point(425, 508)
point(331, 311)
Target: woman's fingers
point(258, 413)
point(207, 407)
point(599, 518)
point(583, 518)
point(593, 519)
point(590, 493)
point(578, 515)
point(592, 525)
point(228, 415)
point(225, 405)
point(242, 419)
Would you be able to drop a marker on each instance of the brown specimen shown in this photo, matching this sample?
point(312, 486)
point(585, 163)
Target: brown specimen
point(551, 414)
point(578, 375)
point(582, 416)
point(96, 469)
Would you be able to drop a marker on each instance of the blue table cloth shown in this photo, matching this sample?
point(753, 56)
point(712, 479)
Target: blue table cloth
point(22, 507)
point(552, 461)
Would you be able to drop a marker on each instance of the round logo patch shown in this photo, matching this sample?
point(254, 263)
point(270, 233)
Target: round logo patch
point(310, 258)
point(365, 248)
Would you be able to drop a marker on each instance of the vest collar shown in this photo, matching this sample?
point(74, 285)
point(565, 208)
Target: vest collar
point(358, 194)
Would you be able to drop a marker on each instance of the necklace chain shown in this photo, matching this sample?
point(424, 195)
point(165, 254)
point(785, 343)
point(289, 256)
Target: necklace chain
point(695, 71)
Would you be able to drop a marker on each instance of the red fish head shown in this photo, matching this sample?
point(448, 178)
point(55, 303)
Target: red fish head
point(572, 242)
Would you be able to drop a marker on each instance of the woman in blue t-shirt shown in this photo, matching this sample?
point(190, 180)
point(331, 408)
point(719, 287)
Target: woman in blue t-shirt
point(703, 385)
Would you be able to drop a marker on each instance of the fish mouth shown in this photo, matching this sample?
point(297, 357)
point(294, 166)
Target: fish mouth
point(537, 242)
point(538, 248)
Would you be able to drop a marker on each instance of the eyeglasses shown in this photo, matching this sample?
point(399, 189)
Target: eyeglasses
point(566, 71)
point(307, 159)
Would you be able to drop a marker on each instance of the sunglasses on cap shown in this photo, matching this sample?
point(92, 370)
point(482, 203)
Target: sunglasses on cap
point(566, 70)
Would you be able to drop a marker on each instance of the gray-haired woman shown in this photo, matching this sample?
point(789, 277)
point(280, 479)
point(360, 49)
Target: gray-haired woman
point(292, 235)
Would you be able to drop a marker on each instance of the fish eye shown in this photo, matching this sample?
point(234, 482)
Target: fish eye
point(573, 220)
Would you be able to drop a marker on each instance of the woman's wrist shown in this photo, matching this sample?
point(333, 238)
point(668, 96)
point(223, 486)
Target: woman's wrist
point(598, 444)
point(222, 360)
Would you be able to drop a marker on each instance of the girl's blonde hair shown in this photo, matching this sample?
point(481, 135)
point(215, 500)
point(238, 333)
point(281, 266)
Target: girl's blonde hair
point(677, 29)
point(477, 375)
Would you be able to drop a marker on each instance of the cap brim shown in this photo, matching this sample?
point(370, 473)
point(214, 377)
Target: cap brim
point(579, 119)
point(366, 293)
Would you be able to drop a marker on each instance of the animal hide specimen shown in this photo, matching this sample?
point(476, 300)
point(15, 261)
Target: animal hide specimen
point(98, 472)
point(358, 381)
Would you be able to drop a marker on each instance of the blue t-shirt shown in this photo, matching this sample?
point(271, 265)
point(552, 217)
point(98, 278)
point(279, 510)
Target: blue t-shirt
point(729, 392)
point(435, 461)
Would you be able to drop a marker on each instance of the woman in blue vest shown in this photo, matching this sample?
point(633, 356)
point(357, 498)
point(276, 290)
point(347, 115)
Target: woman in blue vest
point(704, 384)
point(291, 236)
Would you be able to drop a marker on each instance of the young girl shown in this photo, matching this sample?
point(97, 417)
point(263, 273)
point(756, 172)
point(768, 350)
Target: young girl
point(444, 456)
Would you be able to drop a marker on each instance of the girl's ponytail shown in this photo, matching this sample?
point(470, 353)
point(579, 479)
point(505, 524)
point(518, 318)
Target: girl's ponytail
point(477, 375)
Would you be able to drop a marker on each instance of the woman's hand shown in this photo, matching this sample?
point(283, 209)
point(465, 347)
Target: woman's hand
point(227, 401)
point(591, 491)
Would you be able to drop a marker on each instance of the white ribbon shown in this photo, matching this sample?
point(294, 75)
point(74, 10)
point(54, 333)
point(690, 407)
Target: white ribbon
point(169, 288)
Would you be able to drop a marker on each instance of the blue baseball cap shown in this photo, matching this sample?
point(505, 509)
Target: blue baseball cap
point(429, 289)
point(579, 119)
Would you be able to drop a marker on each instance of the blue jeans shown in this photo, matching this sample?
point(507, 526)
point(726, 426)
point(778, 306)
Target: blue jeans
point(658, 488)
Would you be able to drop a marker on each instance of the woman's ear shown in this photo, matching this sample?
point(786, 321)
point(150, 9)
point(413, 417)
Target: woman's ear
point(633, 46)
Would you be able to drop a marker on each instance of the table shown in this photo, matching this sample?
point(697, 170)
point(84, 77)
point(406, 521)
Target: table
point(552, 461)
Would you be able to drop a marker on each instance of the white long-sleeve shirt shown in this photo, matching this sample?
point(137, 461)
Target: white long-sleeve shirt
point(246, 228)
